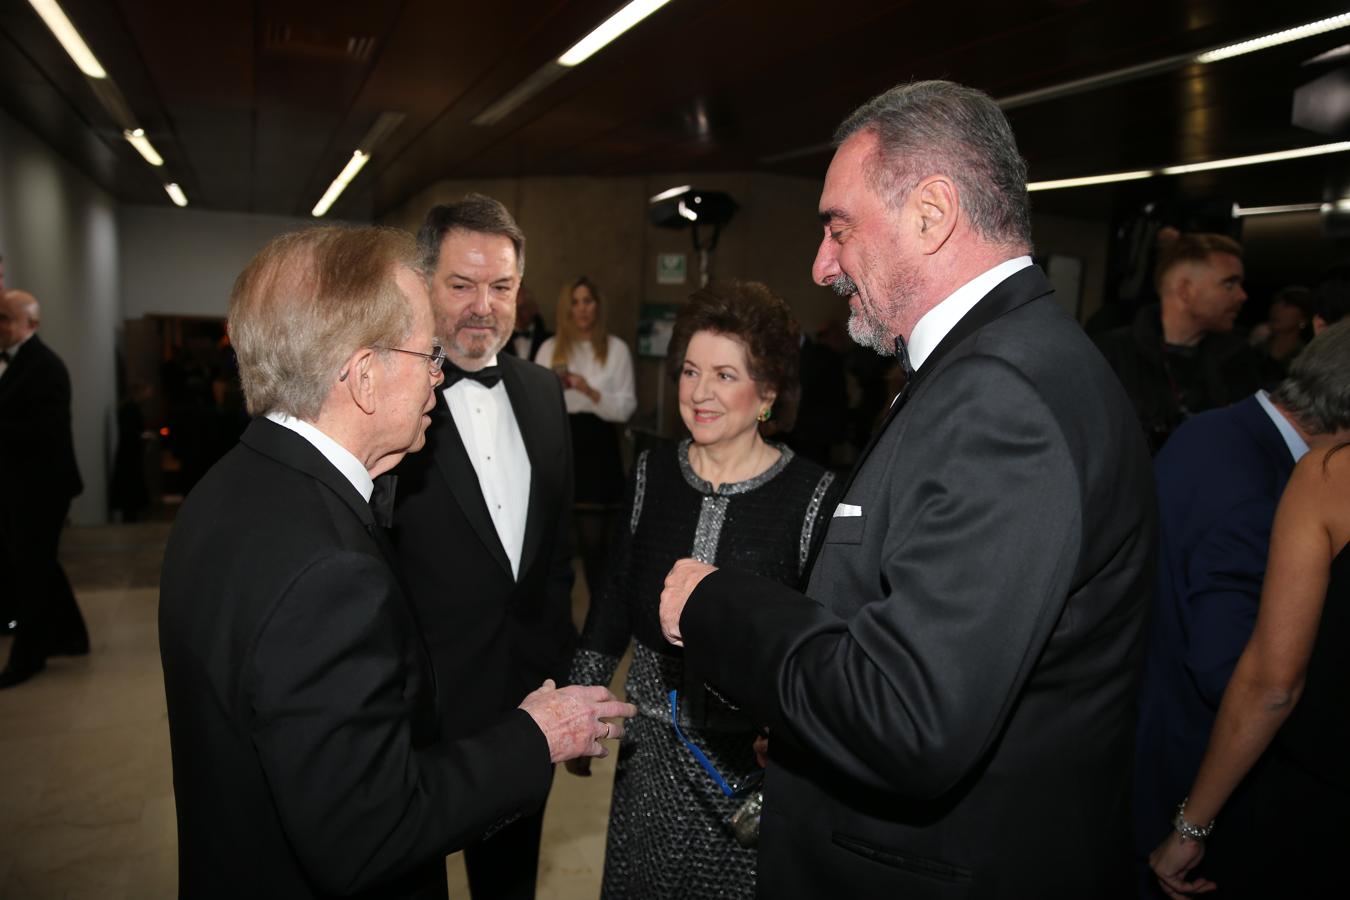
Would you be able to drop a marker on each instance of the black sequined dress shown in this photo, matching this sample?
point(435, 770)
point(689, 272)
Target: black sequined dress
point(668, 835)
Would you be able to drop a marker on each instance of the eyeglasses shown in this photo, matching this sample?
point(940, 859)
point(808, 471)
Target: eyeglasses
point(435, 359)
point(741, 789)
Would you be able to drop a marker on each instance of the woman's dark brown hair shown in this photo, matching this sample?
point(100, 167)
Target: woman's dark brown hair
point(759, 319)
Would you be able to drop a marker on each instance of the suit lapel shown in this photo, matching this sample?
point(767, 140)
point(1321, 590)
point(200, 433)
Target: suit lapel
point(453, 461)
point(1016, 290)
point(523, 409)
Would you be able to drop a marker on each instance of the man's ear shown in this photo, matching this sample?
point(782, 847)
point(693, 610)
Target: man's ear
point(359, 375)
point(937, 206)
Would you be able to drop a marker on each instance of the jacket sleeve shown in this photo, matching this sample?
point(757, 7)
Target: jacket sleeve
point(1224, 574)
point(40, 419)
point(976, 552)
point(328, 687)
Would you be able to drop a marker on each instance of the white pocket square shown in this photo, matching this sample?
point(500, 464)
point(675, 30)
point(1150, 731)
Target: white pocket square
point(847, 511)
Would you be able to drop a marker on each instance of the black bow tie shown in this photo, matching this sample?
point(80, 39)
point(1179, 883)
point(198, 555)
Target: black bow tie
point(382, 499)
point(487, 376)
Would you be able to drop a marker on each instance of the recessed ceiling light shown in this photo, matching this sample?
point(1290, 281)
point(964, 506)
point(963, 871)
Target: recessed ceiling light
point(70, 39)
point(1322, 26)
point(136, 137)
point(340, 183)
point(610, 29)
point(1089, 180)
point(176, 194)
point(1240, 212)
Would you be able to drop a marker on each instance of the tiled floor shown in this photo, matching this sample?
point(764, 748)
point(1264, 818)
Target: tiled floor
point(86, 790)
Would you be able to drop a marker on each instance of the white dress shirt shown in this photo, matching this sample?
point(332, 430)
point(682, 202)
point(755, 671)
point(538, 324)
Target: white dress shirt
point(341, 458)
point(939, 320)
point(487, 426)
point(613, 380)
point(1298, 447)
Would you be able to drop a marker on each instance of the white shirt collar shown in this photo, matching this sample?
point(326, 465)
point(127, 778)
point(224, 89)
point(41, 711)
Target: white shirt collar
point(939, 320)
point(1296, 444)
point(341, 458)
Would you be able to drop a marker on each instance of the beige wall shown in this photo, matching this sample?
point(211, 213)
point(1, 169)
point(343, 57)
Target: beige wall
point(598, 227)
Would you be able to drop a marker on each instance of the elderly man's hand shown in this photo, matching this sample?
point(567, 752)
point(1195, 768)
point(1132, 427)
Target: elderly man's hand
point(570, 718)
point(680, 583)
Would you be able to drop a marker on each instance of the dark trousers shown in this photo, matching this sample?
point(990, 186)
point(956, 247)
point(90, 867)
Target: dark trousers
point(49, 619)
point(505, 866)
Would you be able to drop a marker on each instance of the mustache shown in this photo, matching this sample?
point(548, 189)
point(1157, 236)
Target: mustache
point(844, 286)
point(472, 321)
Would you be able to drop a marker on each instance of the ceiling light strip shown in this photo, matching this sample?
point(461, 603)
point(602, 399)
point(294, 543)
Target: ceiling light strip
point(1232, 162)
point(75, 47)
point(1311, 29)
point(340, 183)
point(136, 138)
point(176, 194)
point(608, 30)
point(1089, 180)
point(1240, 212)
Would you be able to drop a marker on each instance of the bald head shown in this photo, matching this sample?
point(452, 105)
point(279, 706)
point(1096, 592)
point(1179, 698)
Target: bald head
point(18, 317)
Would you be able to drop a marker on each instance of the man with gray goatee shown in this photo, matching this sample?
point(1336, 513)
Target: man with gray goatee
point(951, 703)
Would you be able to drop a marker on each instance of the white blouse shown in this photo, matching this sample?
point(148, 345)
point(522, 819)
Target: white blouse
point(613, 380)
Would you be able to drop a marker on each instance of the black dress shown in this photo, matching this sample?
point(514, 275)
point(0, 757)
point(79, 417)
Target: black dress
point(1298, 827)
point(668, 835)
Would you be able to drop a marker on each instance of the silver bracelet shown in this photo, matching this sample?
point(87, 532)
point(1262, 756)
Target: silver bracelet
point(1186, 829)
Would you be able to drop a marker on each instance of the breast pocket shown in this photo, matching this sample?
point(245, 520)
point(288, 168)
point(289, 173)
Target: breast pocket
point(846, 529)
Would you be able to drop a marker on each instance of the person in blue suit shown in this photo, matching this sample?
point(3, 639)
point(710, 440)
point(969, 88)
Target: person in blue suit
point(1219, 480)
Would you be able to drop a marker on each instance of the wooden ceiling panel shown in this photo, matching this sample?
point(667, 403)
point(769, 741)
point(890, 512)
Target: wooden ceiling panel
point(257, 105)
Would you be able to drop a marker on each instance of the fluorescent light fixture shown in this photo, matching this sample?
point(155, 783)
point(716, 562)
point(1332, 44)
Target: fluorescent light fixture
point(340, 183)
point(138, 140)
point(1321, 26)
point(608, 30)
point(70, 39)
point(176, 194)
point(1090, 179)
point(1243, 211)
point(1256, 159)
point(673, 192)
point(687, 213)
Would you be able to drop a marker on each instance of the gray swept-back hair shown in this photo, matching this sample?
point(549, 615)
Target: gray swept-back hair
point(943, 128)
point(1316, 391)
point(308, 301)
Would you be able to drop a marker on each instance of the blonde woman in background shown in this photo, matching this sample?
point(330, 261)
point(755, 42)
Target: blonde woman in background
point(596, 369)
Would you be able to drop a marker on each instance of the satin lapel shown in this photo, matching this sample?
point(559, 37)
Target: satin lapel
point(453, 461)
point(1017, 289)
point(529, 422)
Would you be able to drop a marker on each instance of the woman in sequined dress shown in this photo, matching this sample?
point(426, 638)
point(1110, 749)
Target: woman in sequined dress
point(726, 496)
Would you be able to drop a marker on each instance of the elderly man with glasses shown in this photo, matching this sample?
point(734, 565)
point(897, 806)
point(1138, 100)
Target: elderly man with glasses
point(307, 755)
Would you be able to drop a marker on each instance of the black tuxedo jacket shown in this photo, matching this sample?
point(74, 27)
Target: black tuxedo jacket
point(951, 705)
point(492, 638)
point(301, 708)
point(36, 447)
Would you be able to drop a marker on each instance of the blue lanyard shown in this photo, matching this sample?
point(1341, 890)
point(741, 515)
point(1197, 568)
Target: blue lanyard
point(693, 748)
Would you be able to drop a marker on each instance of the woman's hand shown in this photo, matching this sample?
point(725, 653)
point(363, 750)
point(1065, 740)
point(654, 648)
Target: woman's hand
point(574, 382)
point(1173, 861)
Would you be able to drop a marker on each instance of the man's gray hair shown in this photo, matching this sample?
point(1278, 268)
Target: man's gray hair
point(475, 213)
point(307, 302)
point(943, 128)
point(1317, 390)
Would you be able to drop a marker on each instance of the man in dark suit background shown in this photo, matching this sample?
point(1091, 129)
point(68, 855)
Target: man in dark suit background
point(1220, 478)
point(530, 332)
point(482, 527)
point(951, 704)
point(37, 455)
point(302, 706)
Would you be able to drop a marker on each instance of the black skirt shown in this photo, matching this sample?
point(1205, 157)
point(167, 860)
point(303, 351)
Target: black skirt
point(596, 461)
